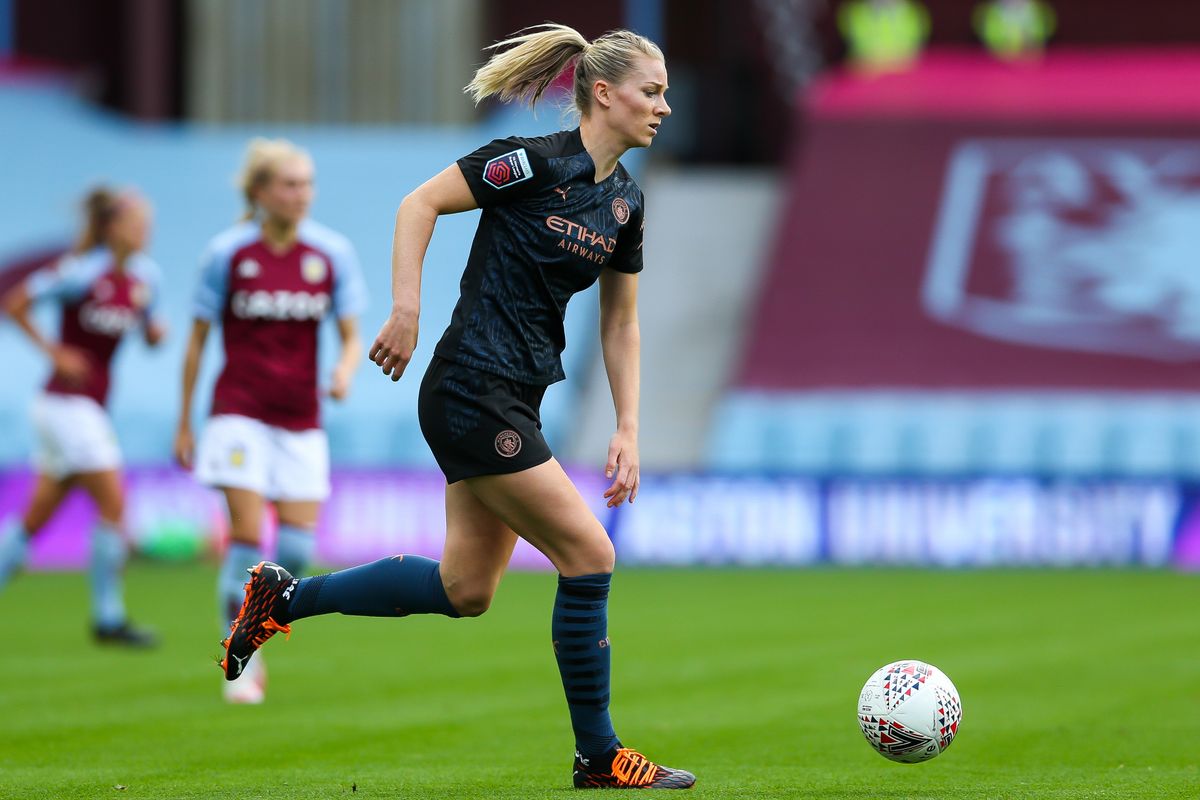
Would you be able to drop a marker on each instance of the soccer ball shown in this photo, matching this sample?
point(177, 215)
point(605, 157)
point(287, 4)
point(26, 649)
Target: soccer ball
point(909, 711)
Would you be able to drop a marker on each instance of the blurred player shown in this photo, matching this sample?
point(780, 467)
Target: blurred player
point(106, 287)
point(559, 212)
point(269, 281)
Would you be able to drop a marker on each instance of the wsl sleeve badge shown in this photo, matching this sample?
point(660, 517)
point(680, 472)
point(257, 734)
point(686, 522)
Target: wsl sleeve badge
point(508, 169)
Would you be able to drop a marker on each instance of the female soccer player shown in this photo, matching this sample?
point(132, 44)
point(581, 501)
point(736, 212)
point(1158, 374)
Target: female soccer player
point(559, 212)
point(105, 287)
point(269, 281)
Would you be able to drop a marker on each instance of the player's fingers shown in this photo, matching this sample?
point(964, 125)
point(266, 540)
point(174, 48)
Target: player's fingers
point(623, 476)
point(637, 483)
point(613, 453)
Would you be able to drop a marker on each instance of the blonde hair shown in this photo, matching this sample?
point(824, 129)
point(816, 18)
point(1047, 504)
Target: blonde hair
point(263, 157)
point(100, 207)
point(536, 56)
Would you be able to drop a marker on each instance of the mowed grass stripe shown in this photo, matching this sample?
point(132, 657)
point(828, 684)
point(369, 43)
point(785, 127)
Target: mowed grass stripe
point(1075, 684)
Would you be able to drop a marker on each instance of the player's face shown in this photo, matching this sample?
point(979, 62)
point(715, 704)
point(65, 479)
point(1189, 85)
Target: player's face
point(288, 193)
point(130, 228)
point(639, 102)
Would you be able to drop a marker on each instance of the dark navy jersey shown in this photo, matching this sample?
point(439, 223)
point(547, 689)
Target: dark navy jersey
point(547, 231)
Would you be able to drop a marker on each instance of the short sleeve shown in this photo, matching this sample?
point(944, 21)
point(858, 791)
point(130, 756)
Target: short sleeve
point(504, 171)
point(208, 303)
point(65, 280)
point(628, 254)
point(349, 287)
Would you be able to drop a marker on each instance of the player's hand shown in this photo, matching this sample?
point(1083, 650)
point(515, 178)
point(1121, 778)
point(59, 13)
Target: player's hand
point(185, 447)
point(623, 468)
point(395, 343)
point(155, 332)
point(71, 364)
point(339, 384)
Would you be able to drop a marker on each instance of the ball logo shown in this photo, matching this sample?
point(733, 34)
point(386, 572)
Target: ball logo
point(313, 268)
point(508, 443)
point(620, 210)
point(248, 268)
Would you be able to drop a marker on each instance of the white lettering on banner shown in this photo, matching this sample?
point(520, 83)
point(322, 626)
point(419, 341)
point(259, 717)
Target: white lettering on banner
point(279, 305)
point(721, 521)
point(988, 523)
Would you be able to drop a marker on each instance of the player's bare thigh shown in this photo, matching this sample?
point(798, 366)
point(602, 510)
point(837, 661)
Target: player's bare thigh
point(543, 506)
point(48, 494)
point(478, 548)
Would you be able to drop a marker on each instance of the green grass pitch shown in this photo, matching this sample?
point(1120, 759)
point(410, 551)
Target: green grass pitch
point(1074, 684)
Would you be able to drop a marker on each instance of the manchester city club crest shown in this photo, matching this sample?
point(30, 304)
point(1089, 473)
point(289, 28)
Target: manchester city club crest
point(508, 443)
point(313, 268)
point(620, 210)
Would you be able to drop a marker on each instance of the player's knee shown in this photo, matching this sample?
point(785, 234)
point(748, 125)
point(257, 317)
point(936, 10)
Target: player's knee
point(596, 558)
point(472, 604)
point(470, 601)
point(112, 511)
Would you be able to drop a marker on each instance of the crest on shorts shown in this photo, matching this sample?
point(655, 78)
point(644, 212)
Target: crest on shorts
point(620, 210)
point(313, 268)
point(508, 443)
point(505, 170)
point(237, 456)
point(248, 268)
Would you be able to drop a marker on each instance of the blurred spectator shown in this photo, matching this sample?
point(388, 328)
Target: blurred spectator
point(1014, 29)
point(883, 35)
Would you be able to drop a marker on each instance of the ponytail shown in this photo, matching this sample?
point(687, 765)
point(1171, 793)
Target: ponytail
point(533, 60)
point(525, 70)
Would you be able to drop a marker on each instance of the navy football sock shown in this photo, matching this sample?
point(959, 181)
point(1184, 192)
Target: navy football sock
point(391, 587)
point(580, 632)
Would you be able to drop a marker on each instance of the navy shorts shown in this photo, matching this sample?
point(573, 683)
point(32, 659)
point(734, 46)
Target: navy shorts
point(477, 423)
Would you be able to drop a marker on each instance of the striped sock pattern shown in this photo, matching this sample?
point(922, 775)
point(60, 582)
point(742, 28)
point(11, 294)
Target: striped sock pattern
point(581, 646)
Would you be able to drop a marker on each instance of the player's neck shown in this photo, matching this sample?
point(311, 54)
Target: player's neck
point(120, 257)
point(278, 234)
point(602, 146)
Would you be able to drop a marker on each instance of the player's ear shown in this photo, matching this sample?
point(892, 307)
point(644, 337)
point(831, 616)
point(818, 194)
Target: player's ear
point(601, 93)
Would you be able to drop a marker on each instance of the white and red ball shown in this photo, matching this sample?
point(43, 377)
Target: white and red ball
point(909, 711)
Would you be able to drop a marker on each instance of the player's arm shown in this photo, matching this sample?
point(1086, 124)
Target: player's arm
point(67, 362)
point(184, 443)
point(445, 193)
point(349, 359)
point(154, 332)
point(154, 325)
point(17, 303)
point(620, 341)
